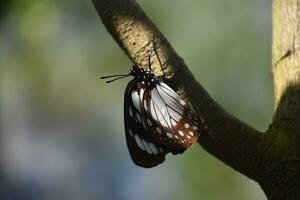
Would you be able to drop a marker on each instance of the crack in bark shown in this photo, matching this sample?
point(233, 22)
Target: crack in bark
point(288, 53)
point(294, 48)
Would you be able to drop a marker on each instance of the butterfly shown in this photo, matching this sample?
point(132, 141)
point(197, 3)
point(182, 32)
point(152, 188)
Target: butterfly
point(157, 119)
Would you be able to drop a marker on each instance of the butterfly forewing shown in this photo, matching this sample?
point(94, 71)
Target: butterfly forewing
point(143, 149)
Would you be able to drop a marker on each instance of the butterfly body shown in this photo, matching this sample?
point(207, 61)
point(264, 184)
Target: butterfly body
point(157, 120)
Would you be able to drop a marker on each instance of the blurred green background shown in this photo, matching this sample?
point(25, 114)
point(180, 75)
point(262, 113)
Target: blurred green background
point(62, 132)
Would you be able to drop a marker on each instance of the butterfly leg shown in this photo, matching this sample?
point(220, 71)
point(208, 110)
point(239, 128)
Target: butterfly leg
point(153, 48)
point(150, 54)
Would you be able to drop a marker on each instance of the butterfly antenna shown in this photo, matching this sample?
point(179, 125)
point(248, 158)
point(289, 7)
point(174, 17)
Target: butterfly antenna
point(115, 77)
point(112, 76)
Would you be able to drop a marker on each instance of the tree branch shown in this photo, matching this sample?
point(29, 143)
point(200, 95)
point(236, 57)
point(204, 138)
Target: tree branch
point(228, 139)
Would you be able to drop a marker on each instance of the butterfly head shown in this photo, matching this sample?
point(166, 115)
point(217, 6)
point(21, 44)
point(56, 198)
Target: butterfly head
point(144, 76)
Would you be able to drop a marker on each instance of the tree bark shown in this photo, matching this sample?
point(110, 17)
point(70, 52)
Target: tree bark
point(283, 177)
point(270, 158)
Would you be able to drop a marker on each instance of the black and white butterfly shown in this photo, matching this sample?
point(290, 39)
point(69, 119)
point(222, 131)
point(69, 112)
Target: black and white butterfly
point(157, 119)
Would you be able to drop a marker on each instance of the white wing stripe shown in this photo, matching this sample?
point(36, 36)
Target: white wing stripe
point(148, 149)
point(170, 100)
point(136, 100)
point(153, 148)
point(139, 142)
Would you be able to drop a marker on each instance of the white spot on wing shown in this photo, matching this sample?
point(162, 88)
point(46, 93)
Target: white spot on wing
point(153, 148)
point(147, 146)
point(136, 100)
point(160, 149)
point(145, 105)
point(173, 122)
point(139, 142)
point(159, 131)
point(149, 122)
point(195, 127)
point(169, 135)
point(182, 102)
point(181, 133)
point(141, 94)
point(130, 132)
point(186, 125)
point(130, 112)
point(144, 102)
point(191, 133)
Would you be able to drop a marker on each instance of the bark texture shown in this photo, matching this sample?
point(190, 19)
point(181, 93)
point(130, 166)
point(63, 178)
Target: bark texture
point(270, 158)
point(283, 177)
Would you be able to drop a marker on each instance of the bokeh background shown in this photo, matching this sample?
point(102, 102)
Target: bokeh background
point(61, 127)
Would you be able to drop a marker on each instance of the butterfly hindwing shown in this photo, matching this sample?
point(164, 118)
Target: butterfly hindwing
point(143, 150)
point(173, 123)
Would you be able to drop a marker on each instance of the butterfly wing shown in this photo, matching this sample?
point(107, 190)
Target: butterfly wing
point(144, 151)
point(173, 124)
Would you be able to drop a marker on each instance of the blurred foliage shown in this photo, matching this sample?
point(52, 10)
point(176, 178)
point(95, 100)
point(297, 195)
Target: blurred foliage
point(62, 128)
point(4, 8)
